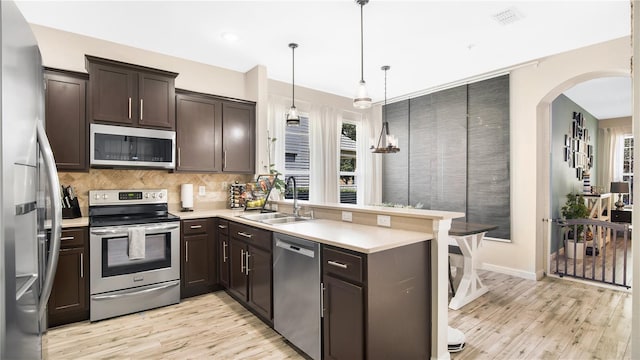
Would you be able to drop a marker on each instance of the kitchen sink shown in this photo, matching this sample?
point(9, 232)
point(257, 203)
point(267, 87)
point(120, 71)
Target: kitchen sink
point(265, 216)
point(274, 218)
point(284, 220)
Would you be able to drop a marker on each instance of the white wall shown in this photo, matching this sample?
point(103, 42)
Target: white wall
point(64, 50)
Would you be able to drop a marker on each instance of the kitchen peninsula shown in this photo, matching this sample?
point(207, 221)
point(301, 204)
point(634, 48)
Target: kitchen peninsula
point(408, 227)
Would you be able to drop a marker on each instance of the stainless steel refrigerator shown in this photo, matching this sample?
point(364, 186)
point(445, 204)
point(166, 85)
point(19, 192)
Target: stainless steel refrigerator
point(27, 175)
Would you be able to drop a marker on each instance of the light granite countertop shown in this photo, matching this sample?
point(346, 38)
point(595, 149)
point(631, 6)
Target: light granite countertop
point(361, 238)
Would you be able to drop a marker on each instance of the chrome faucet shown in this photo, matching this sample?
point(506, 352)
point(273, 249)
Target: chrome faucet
point(296, 208)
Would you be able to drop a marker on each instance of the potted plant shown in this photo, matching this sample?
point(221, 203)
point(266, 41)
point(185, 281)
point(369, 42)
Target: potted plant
point(574, 208)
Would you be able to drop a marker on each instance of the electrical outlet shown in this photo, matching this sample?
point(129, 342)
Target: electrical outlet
point(384, 220)
point(202, 190)
point(225, 186)
point(347, 216)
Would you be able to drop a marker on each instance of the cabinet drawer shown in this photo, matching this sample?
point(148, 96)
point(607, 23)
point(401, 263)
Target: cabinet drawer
point(251, 235)
point(198, 226)
point(72, 238)
point(223, 226)
point(343, 264)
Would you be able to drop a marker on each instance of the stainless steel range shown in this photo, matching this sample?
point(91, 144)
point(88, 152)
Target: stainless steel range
point(134, 250)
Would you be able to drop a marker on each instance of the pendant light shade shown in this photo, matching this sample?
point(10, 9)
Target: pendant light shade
point(387, 143)
point(293, 119)
point(362, 99)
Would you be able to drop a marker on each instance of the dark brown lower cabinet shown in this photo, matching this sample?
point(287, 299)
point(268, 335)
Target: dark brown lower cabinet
point(343, 319)
point(250, 269)
point(378, 305)
point(69, 300)
point(198, 269)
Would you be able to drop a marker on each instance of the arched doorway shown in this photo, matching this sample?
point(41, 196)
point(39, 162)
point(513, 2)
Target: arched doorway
point(544, 204)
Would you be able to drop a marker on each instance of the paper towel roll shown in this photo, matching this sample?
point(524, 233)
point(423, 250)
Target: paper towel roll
point(186, 196)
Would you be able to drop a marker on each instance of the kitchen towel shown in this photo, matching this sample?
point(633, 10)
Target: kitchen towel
point(136, 243)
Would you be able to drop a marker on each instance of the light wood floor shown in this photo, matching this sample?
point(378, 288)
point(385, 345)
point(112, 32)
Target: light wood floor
point(517, 319)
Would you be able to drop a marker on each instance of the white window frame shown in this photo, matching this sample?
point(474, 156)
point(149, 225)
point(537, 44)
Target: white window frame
point(356, 173)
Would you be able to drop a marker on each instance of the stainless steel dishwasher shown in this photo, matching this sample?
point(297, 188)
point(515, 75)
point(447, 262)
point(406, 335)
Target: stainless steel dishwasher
point(297, 308)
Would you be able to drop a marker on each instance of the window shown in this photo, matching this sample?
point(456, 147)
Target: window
point(627, 168)
point(297, 158)
point(348, 162)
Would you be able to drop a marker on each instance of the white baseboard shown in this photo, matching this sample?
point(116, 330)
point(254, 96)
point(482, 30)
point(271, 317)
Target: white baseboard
point(513, 272)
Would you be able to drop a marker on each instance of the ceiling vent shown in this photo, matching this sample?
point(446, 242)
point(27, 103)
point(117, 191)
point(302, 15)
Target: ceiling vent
point(508, 16)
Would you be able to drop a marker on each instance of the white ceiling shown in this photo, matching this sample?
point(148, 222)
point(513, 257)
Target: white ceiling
point(427, 43)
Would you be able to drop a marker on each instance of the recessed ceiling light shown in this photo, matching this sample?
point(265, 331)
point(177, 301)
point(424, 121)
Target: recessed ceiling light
point(229, 37)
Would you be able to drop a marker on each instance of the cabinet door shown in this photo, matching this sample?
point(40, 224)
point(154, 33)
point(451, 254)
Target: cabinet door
point(65, 114)
point(343, 319)
point(198, 131)
point(112, 93)
point(237, 275)
point(238, 137)
point(260, 282)
point(223, 259)
point(68, 300)
point(197, 267)
point(156, 101)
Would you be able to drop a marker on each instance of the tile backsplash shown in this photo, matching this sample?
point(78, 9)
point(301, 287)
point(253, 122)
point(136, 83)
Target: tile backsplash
point(216, 185)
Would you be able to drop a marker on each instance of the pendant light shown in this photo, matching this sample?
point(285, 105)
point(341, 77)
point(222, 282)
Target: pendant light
point(387, 143)
point(362, 99)
point(293, 119)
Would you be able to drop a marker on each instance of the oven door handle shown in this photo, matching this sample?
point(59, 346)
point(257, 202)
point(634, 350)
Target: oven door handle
point(124, 231)
point(115, 296)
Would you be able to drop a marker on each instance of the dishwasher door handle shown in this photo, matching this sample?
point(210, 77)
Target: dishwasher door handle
point(295, 248)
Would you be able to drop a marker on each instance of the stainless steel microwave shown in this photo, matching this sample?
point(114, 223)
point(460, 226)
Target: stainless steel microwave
point(123, 146)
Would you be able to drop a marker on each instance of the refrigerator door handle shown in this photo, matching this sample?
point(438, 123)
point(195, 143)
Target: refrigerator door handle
point(56, 216)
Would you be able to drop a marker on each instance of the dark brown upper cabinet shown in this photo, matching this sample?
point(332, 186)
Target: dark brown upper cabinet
point(132, 95)
point(198, 133)
point(214, 134)
point(238, 137)
point(65, 118)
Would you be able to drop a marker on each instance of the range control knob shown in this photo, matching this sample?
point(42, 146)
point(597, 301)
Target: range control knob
point(97, 196)
point(105, 196)
point(146, 195)
point(153, 195)
point(160, 195)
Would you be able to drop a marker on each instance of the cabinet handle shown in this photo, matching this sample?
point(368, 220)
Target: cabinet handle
point(129, 108)
point(178, 156)
point(141, 109)
point(67, 238)
point(242, 260)
point(186, 251)
point(322, 300)
point(224, 159)
point(224, 251)
point(196, 226)
point(337, 264)
point(82, 265)
point(247, 267)
point(245, 234)
point(222, 226)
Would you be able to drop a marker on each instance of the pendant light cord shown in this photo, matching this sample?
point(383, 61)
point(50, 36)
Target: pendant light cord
point(385, 99)
point(293, 75)
point(361, 43)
